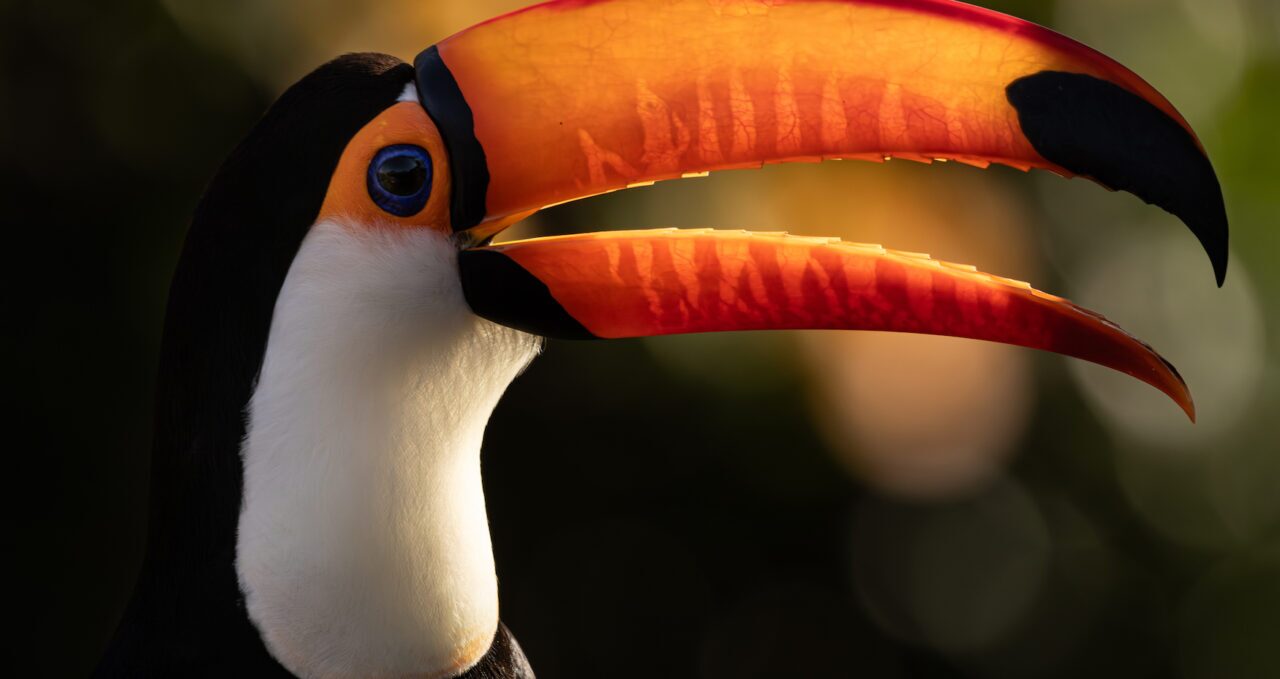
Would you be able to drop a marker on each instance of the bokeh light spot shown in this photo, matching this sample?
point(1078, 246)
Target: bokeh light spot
point(957, 577)
point(1172, 493)
point(1243, 479)
point(919, 416)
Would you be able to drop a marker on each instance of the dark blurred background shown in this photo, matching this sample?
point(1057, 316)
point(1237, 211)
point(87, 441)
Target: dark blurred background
point(767, 505)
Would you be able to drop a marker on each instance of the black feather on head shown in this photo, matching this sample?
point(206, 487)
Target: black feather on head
point(187, 616)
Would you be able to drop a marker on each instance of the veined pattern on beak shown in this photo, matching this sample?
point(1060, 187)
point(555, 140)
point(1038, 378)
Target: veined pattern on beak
point(846, 111)
point(644, 283)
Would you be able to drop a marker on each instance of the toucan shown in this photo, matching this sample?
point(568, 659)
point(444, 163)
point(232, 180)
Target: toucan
point(341, 322)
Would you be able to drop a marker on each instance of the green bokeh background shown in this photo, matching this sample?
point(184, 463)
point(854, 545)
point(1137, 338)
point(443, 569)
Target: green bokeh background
point(678, 507)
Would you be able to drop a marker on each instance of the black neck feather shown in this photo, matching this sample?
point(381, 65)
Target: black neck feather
point(187, 617)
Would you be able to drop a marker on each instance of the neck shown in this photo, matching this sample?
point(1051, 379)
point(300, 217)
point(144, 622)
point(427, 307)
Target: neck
point(363, 547)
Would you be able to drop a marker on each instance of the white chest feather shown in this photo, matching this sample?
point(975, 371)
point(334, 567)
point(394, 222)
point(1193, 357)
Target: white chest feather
point(363, 545)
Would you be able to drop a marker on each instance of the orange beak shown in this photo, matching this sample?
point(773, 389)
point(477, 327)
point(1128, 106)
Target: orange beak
point(573, 98)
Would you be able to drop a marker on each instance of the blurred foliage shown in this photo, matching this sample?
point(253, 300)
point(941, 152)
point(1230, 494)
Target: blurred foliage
point(712, 506)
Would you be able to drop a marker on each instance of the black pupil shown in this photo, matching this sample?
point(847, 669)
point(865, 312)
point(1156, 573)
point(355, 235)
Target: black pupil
point(402, 175)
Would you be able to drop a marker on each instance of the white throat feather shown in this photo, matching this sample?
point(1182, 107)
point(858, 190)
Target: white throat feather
point(363, 546)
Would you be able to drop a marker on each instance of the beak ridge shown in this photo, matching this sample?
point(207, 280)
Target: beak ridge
point(569, 99)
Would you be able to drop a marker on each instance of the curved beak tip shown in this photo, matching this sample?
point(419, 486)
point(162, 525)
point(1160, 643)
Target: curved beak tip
point(1098, 129)
point(1059, 106)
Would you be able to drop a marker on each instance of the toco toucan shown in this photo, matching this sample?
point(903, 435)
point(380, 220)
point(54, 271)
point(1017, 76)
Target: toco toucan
point(340, 324)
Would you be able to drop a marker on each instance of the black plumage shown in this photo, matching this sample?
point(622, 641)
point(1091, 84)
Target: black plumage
point(187, 617)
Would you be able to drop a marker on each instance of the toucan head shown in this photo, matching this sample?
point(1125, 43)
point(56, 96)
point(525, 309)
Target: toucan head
point(340, 277)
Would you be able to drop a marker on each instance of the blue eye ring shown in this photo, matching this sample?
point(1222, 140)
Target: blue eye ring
point(399, 179)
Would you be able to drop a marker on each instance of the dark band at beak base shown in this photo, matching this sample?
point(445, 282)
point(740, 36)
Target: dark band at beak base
point(440, 95)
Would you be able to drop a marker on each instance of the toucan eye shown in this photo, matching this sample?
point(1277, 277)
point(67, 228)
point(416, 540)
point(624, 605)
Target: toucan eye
point(400, 179)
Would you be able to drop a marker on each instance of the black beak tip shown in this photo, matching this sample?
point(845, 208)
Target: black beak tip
point(1216, 243)
point(1098, 129)
point(1202, 209)
point(1217, 249)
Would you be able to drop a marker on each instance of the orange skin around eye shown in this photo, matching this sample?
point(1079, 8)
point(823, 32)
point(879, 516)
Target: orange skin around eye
point(348, 196)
